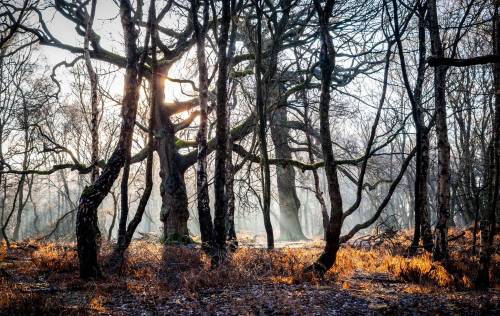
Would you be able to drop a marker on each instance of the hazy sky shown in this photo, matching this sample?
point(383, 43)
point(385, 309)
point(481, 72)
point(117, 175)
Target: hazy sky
point(107, 25)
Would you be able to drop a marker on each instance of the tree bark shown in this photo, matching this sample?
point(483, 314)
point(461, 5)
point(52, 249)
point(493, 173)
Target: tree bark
point(20, 207)
point(262, 128)
point(7, 220)
point(3, 180)
point(440, 251)
point(327, 64)
point(175, 213)
point(124, 210)
point(113, 219)
point(125, 239)
point(421, 210)
point(230, 170)
point(87, 230)
point(204, 215)
point(230, 227)
point(35, 224)
point(222, 134)
point(289, 203)
point(22, 203)
point(94, 82)
point(488, 220)
point(174, 210)
point(317, 187)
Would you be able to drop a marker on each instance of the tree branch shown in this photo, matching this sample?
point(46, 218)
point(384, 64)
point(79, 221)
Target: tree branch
point(465, 62)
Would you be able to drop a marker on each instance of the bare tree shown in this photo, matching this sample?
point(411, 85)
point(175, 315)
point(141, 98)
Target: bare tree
point(421, 211)
point(221, 134)
point(87, 230)
point(327, 64)
point(204, 216)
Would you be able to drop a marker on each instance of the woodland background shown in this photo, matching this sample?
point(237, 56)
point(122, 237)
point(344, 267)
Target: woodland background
point(172, 141)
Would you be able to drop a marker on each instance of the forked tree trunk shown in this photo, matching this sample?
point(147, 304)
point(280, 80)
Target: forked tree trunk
point(87, 230)
point(327, 64)
point(174, 213)
point(125, 238)
point(124, 242)
point(421, 209)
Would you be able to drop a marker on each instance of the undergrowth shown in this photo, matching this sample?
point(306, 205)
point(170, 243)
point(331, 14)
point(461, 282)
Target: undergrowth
point(153, 269)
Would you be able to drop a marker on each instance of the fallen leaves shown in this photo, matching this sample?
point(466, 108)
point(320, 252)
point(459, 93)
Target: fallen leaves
point(160, 279)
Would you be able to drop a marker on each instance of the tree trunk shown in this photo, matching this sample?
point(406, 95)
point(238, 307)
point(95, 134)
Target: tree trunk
point(174, 210)
point(317, 187)
point(94, 132)
point(3, 180)
point(204, 215)
point(125, 238)
point(87, 230)
point(122, 223)
point(421, 212)
point(113, 219)
point(20, 208)
point(440, 251)
point(221, 134)
point(123, 244)
point(35, 224)
point(230, 171)
point(7, 220)
point(21, 204)
point(425, 224)
point(289, 203)
point(327, 64)
point(230, 227)
point(488, 220)
point(262, 117)
point(421, 209)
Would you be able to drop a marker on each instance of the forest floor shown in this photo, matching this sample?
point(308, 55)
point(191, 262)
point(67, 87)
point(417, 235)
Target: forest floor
point(372, 276)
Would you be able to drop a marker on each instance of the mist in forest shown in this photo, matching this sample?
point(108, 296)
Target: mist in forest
point(261, 150)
